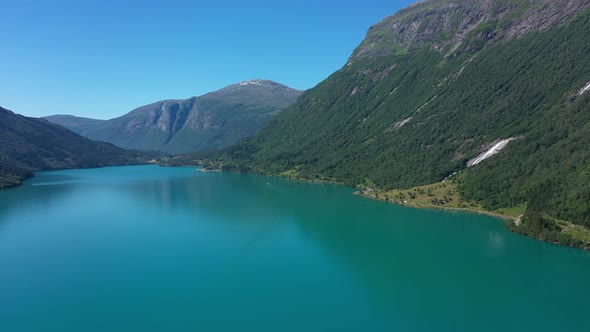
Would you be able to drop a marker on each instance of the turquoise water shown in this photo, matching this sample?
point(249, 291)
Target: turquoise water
point(173, 249)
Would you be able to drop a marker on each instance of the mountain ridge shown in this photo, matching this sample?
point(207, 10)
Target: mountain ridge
point(446, 24)
point(75, 123)
point(211, 121)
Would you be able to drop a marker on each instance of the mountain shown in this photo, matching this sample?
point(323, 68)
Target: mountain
point(438, 84)
point(30, 144)
point(74, 123)
point(212, 121)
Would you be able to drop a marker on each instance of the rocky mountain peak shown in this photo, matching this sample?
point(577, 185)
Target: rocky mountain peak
point(263, 83)
point(453, 26)
point(259, 84)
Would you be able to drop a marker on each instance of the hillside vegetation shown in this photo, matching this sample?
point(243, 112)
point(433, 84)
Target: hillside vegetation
point(29, 144)
point(429, 89)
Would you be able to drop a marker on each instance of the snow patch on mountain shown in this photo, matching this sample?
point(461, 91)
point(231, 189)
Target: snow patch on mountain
point(584, 89)
point(401, 123)
point(253, 82)
point(492, 149)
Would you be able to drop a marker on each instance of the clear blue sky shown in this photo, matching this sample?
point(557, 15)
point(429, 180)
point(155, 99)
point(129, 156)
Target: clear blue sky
point(103, 58)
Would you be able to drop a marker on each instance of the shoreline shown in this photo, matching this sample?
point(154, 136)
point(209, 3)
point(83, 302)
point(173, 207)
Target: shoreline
point(415, 206)
point(511, 223)
point(442, 208)
point(32, 174)
point(360, 193)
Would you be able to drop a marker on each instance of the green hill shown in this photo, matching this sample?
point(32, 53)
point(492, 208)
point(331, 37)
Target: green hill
point(29, 144)
point(434, 86)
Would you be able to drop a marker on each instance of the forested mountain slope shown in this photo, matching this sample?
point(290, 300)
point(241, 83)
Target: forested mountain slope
point(30, 144)
point(430, 88)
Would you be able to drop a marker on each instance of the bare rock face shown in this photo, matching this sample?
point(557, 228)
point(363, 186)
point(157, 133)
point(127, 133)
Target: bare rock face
point(545, 15)
point(446, 24)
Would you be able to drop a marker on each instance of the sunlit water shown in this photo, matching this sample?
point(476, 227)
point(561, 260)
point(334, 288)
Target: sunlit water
point(174, 249)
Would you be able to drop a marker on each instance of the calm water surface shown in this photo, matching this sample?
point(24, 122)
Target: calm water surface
point(173, 249)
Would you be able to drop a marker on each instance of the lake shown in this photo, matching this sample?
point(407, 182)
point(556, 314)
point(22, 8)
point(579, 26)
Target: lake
point(145, 248)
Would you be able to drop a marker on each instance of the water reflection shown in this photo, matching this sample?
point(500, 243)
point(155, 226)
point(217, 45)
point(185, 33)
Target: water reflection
point(423, 270)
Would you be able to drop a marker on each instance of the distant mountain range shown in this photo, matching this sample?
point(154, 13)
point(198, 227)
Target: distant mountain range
point(212, 121)
point(30, 144)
